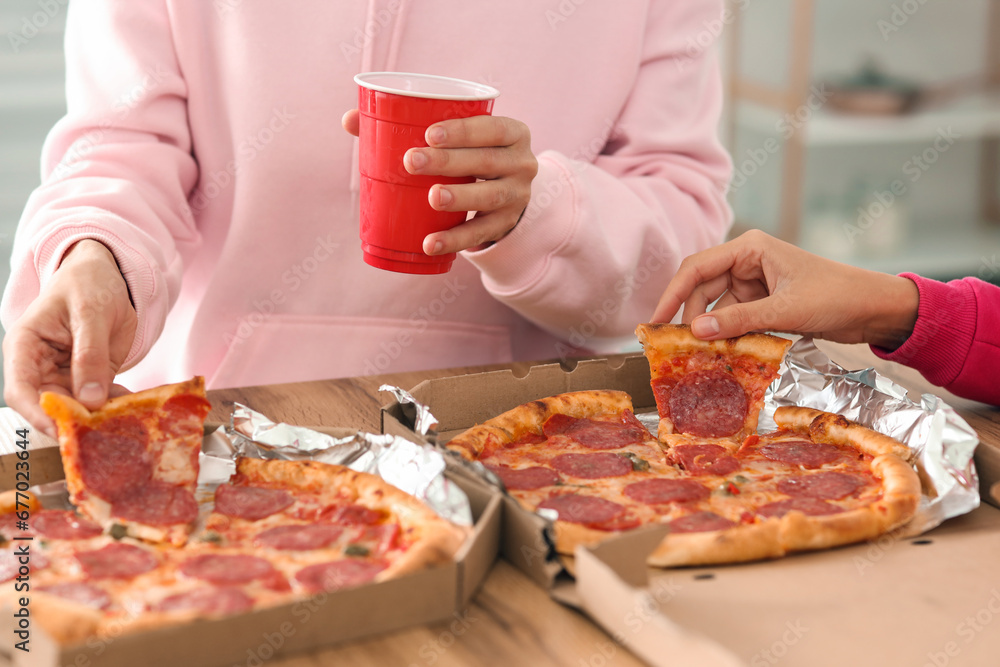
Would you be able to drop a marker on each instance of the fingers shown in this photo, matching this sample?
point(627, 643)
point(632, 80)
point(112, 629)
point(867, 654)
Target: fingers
point(473, 234)
point(476, 132)
point(481, 196)
point(22, 382)
point(737, 319)
point(351, 122)
point(487, 163)
point(91, 359)
point(703, 295)
point(693, 271)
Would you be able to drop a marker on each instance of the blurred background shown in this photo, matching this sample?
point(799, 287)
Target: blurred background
point(864, 130)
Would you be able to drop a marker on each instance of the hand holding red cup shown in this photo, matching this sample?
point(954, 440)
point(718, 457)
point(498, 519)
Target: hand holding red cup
point(424, 144)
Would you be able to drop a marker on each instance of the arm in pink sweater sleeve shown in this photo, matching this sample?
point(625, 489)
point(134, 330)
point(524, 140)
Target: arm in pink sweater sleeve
point(955, 343)
point(599, 240)
point(118, 167)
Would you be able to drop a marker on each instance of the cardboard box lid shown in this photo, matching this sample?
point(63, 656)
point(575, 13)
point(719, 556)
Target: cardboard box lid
point(930, 600)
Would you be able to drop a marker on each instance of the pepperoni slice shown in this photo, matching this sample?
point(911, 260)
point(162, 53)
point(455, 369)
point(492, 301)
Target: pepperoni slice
point(660, 491)
point(10, 561)
point(705, 459)
point(592, 466)
point(10, 529)
point(208, 601)
point(299, 538)
point(338, 574)
point(526, 479)
point(156, 504)
point(802, 453)
point(594, 434)
point(63, 525)
point(352, 515)
point(621, 522)
point(80, 592)
point(700, 522)
point(227, 568)
point(117, 561)
point(582, 509)
point(114, 459)
point(808, 506)
point(382, 539)
point(183, 415)
point(251, 502)
point(708, 404)
point(828, 485)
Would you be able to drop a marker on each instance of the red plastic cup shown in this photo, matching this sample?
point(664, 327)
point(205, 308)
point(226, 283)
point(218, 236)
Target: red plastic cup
point(396, 110)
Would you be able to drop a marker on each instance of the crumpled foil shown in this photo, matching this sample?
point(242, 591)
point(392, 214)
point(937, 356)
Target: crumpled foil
point(415, 469)
point(424, 422)
point(942, 442)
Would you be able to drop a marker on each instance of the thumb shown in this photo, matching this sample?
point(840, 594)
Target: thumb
point(91, 362)
point(736, 320)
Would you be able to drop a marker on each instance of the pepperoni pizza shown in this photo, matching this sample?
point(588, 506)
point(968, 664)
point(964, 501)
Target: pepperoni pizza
point(134, 462)
point(278, 531)
point(728, 495)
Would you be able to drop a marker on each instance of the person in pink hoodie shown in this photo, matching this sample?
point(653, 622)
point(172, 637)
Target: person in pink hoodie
point(199, 206)
point(950, 332)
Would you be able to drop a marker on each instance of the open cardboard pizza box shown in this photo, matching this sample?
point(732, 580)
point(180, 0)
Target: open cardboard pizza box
point(424, 597)
point(890, 601)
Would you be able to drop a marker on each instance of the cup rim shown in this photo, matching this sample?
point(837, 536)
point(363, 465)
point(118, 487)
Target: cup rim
point(483, 92)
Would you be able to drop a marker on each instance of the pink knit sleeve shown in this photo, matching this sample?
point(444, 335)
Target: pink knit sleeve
point(118, 167)
point(956, 341)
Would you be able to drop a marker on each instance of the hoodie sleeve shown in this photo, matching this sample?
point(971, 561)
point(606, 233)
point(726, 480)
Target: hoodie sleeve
point(118, 167)
point(955, 342)
point(601, 239)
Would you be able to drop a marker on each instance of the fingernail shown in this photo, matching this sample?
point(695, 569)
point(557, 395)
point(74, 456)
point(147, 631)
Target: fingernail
point(706, 326)
point(436, 135)
point(91, 393)
point(417, 159)
point(433, 248)
point(444, 197)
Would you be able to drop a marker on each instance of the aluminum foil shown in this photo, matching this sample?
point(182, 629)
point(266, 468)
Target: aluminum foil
point(415, 469)
point(942, 442)
point(424, 422)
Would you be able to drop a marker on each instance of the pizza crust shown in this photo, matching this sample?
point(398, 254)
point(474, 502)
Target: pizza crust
point(529, 418)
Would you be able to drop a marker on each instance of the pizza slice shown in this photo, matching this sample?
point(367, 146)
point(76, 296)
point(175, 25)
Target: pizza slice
point(134, 462)
point(709, 389)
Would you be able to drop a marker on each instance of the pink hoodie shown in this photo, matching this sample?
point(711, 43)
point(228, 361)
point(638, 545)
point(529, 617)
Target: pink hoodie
point(203, 146)
point(956, 341)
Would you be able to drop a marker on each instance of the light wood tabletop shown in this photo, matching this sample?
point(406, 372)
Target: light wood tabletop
point(512, 621)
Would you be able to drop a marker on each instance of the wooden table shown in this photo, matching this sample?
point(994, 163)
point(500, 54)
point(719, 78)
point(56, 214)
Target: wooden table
point(512, 621)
